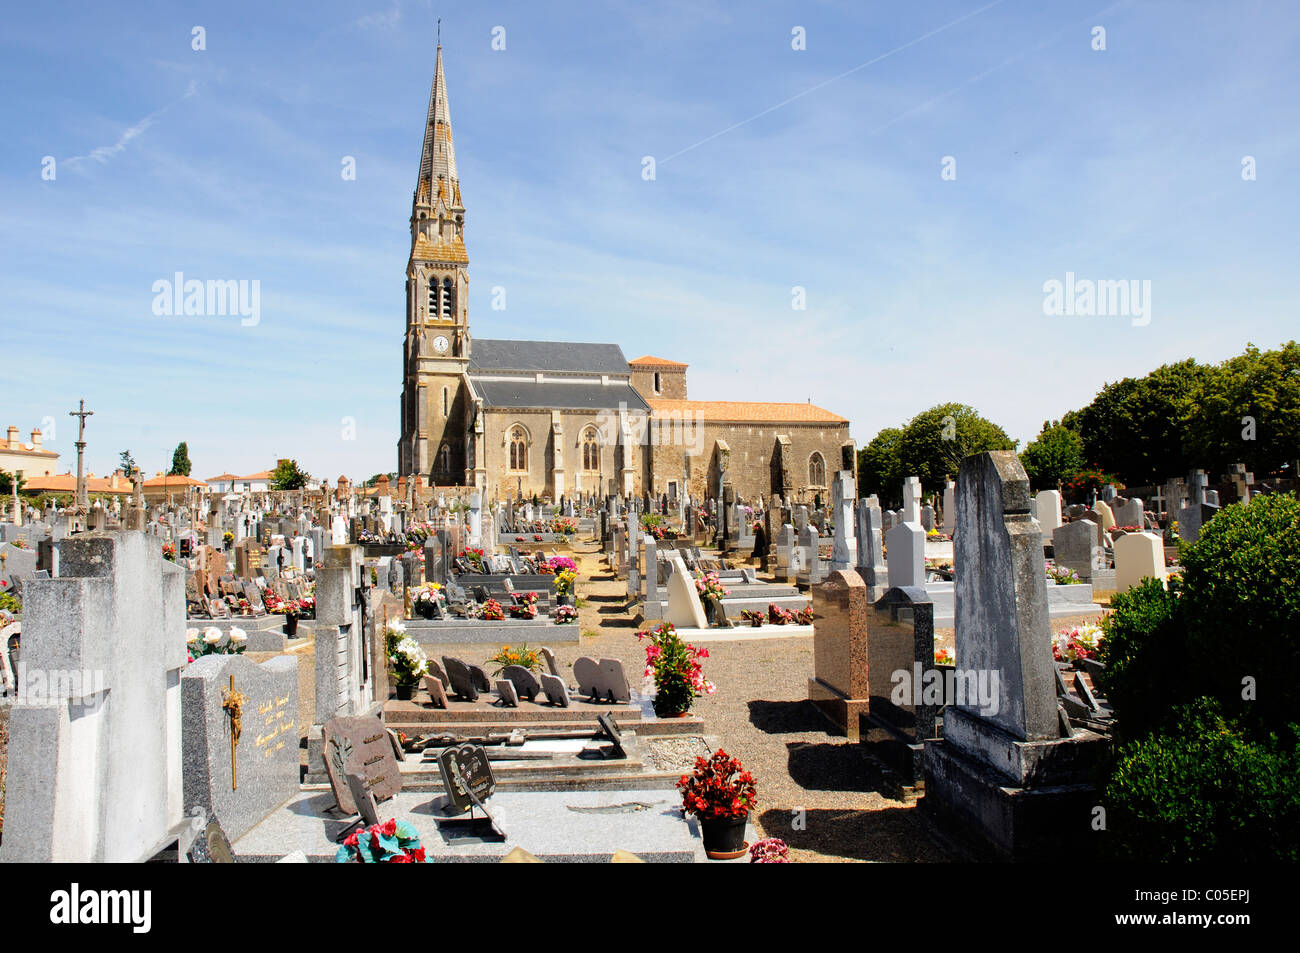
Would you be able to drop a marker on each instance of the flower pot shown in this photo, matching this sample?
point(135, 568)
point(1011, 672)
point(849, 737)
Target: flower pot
point(724, 837)
point(291, 626)
point(404, 692)
point(564, 600)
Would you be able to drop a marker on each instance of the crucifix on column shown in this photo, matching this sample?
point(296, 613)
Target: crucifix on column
point(83, 498)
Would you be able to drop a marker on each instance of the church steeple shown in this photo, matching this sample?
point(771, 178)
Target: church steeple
point(438, 160)
point(436, 411)
point(437, 202)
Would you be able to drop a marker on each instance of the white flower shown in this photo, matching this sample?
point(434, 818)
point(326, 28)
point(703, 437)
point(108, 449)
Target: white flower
point(238, 635)
point(212, 635)
point(191, 635)
point(397, 625)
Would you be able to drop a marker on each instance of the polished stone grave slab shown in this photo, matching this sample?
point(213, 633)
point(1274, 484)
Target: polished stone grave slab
point(556, 826)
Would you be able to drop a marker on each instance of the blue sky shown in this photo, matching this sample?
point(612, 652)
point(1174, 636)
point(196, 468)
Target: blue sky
point(776, 168)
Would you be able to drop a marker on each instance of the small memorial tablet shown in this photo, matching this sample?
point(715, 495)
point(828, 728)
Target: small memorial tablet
point(366, 739)
point(466, 777)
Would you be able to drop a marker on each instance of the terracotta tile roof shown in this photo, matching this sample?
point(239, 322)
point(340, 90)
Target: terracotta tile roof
point(748, 411)
point(261, 475)
point(649, 361)
point(27, 449)
point(222, 477)
point(67, 483)
point(166, 480)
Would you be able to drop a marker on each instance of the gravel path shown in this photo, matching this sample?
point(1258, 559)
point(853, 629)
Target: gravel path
point(828, 799)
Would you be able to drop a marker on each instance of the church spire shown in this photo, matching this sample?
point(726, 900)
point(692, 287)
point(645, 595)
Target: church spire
point(438, 175)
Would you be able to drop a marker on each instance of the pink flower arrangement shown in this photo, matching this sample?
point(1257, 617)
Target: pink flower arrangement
point(769, 850)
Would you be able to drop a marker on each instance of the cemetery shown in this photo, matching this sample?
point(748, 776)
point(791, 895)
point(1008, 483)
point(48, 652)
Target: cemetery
point(341, 661)
point(589, 620)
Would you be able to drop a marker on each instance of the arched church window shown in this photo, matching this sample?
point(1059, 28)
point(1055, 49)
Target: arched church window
point(518, 449)
point(444, 459)
point(448, 304)
point(816, 470)
point(590, 451)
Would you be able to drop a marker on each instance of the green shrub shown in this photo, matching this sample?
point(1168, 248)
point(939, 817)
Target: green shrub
point(1241, 603)
point(1145, 653)
point(1198, 789)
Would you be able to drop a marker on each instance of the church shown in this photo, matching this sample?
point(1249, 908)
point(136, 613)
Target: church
point(548, 418)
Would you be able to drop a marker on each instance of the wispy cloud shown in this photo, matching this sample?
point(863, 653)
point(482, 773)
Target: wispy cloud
point(103, 154)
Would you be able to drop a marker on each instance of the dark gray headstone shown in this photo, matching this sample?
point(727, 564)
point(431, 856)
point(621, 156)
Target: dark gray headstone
point(465, 769)
point(266, 754)
point(462, 682)
point(525, 682)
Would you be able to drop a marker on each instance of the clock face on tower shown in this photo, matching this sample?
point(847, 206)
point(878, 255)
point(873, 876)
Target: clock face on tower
point(440, 344)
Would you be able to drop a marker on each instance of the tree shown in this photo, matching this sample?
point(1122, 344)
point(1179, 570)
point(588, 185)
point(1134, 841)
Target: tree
point(1248, 412)
point(7, 486)
point(879, 470)
point(392, 478)
point(1136, 427)
point(935, 441)
point(287, 476)
point(181, 460)
point(127, 464)
point(1053, 456)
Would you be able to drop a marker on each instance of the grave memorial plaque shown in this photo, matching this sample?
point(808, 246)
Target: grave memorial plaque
point(466, 777)
point(364, 739)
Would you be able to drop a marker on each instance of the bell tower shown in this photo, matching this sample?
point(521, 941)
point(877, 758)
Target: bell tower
point(436, 411)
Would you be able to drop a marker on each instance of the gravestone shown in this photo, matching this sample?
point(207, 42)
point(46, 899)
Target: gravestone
point(1002, 771)
point(525, 682)
point(839, 686)
point(1139, 556)
point(437, 692)
point(1129, 513)
point(555, 691)
point(871, 557)
point(114, 623)
point(463, 684)
point(264, 773)
point(506, 692)
point(601, 681)
point(905, 543)
point(812, 571)
point(950, 507)
point(685, 610)
point(1198, 512)
point(435, 669)
point(1001, 595)
point(551, 665)
point(1076, 546)
point(466, 777)
point(1047, 510)
point(364, 739)
point(841, 555)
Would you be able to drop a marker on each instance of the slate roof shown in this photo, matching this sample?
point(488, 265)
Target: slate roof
point(567, 356)
point(558, 394)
